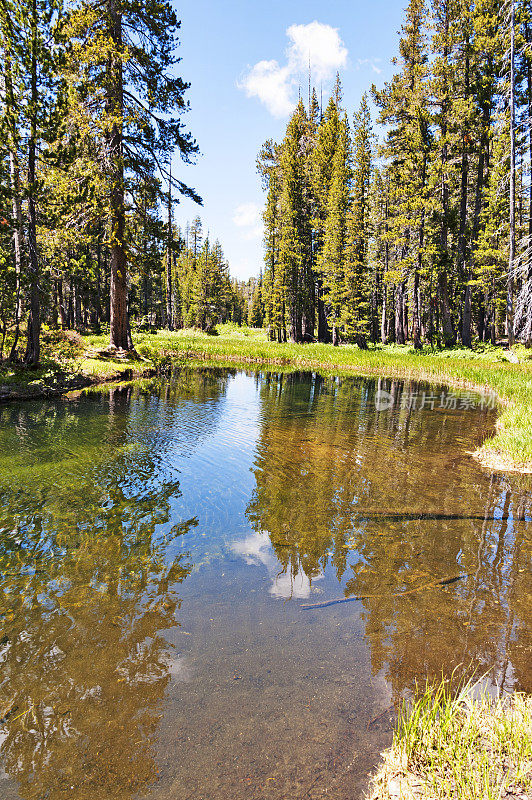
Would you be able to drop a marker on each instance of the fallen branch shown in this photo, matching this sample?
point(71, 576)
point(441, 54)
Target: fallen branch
point(431, 585)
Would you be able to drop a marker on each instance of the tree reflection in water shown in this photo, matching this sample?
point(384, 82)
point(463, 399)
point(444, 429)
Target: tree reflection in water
point(346, 501)
point(388, 501)
point(87, 590)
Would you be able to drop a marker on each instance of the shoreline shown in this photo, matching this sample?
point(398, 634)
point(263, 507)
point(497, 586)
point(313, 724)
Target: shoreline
point(462, 744)
point(488, 459)
point(510, 383)
point(73, 383)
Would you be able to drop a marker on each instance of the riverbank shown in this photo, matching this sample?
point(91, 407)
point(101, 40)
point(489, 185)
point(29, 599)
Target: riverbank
point(72, 361)
point(465, 746)
point(68, 362)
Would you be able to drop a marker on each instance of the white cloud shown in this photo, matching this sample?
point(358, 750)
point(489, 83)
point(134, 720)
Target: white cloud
point(321, 45)
point(271, 84)
point(275, 85)
point(288, 586)
point(248, 216)
point(256, 549)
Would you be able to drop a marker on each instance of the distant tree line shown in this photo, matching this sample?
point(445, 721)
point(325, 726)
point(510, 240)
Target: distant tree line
point(199, 290)
point(426, 233)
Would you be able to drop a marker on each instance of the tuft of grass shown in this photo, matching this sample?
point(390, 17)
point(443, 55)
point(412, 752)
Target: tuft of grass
point(102, 370)
point(461, 745)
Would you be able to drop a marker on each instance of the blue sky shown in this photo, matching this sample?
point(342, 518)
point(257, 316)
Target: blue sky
point(245, 60)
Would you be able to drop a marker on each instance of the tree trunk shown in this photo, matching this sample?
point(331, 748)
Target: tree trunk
point(405, 314)
point(449, 335)
point(481, 322)
point(115, 107)
point(399, 310)
point(466, 318)
point(17, 244)
point(416, 326)
point(527, 333)
point(465, 331)
point(98, 298)
point(416, 322)
point(70, 311)
point(384, 318)
point(511, 265)
point(33, 347)
point(61, 303)
point(55, 306)
point(169, 309)
point(296, 331)
point(14, 176)
point(528, 35)
point(308, 322)
point(323, 328)
point(77, 305)
point(335, 334)
point(482, 161)
point(385, 328)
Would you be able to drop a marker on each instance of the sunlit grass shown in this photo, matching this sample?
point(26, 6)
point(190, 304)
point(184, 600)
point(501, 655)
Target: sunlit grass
point(462, 745)
point(107, 370)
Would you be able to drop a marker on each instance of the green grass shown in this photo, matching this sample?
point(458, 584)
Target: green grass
point(47, 374)
point(485, 369)
point(462, 745)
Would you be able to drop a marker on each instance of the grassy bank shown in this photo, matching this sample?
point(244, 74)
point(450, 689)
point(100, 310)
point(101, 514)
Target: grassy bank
point(68, 361)
point(83, 360)
point(487, 370)
point(459, 746)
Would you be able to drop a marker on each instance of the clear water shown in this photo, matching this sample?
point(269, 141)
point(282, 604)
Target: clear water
point(157, 546)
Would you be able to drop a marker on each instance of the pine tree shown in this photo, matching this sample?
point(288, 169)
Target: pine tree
point(355, 301)
point(322, 167)
point(195, 236)
point(404, 107)
point(523, 315)
point(11, 125)
point(256, 311)
point(332, 258)
point(269, 169)
point(491, 254)
point(26, 29)
point(121, 70)
point(294, 229)
point(379, 247)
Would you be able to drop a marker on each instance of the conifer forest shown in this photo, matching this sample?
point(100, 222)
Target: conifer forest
point(265, 400)
point(417, 226)
point(91, 116)
point(408, 219)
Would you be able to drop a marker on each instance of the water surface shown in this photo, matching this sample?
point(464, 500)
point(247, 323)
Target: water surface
point(158, 543)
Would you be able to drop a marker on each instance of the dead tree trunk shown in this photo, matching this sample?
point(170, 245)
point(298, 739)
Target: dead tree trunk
point(169, 309)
